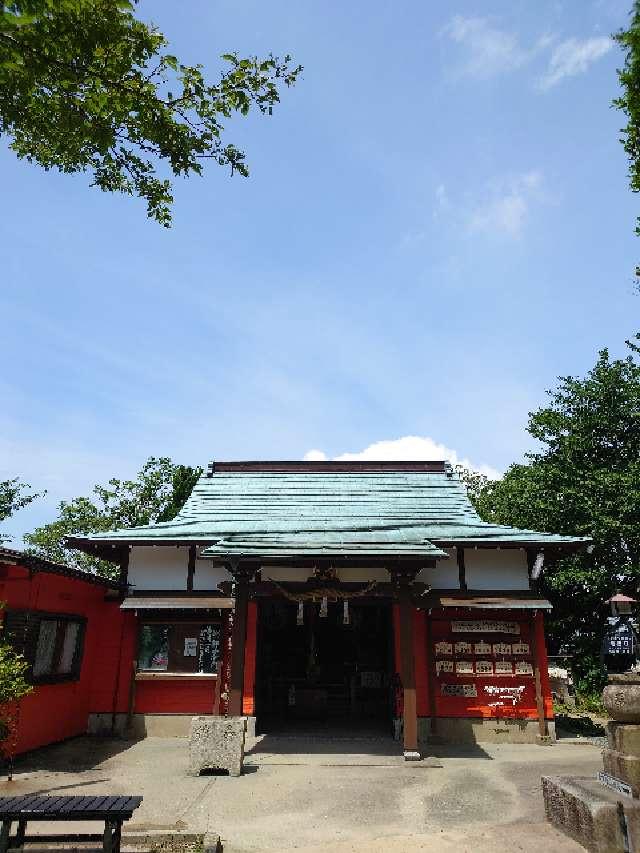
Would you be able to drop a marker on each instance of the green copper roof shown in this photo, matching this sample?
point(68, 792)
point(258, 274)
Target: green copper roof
point(307, 512)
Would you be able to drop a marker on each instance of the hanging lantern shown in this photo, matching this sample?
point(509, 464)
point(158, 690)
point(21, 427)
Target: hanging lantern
point(345, 612)
point(300, 616)
point(324, 607)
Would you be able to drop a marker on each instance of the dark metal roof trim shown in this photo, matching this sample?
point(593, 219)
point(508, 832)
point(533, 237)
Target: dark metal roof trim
point(12, 557)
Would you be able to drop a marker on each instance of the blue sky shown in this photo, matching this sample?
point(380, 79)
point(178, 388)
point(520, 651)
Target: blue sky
point(437, 224)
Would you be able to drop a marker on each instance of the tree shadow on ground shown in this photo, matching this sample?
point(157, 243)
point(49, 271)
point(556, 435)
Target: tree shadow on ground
point(75, 755)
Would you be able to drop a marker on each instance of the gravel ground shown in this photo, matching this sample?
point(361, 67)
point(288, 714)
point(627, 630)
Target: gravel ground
point(357, 797)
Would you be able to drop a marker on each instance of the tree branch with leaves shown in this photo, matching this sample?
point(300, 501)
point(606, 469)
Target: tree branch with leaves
point(87, 87)
point(629, 100)
point(157, 494)
point(13, 497)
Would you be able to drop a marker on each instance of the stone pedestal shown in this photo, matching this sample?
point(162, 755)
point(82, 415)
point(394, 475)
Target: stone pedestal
point(621, 756)
point(604, 814)
point(589, 813)
point(216, 743)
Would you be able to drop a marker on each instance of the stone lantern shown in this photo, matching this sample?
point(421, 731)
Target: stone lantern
point(603, 814)
point(620, 643)
point(621, 605)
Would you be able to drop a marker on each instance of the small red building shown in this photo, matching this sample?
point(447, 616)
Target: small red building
point(365, 596)
point(350, 594)
point(67, 625)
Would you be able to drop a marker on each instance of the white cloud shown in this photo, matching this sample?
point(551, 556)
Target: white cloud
point(315, 456)
point(409, 447)
point(573, 56)
point(506, 204)
point(490, 50)
point(443, 203)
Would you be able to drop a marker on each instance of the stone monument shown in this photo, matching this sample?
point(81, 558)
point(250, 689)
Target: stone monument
point(216, 743)
point(603, 814)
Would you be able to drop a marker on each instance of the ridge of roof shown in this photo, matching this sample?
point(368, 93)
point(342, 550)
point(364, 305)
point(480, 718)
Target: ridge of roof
point(325, 466)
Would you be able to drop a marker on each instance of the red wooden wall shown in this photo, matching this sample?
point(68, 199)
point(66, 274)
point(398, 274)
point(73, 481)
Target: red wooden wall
point(56, 711)
point(455, 706)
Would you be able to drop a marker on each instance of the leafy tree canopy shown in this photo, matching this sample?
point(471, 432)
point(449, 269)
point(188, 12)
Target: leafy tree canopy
point(156, 494)
point(585, 480)
point(12, 498)
point(87, 87)
point(629, 100)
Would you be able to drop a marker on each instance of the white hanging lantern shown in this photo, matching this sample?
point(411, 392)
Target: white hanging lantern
point(345, 612)
point(324, 607)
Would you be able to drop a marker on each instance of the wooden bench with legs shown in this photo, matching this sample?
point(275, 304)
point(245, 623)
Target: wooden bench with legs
point(114, 811)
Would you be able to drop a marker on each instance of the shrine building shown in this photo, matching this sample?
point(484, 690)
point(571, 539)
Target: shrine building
point(330, 596)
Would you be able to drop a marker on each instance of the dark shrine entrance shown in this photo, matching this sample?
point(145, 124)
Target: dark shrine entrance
point(328, 674)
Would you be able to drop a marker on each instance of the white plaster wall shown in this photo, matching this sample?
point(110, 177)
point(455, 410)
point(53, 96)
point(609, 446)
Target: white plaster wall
point(445, 573)
point(162, 567)
point(208, 576)
point(490, 568)
point(165, 567)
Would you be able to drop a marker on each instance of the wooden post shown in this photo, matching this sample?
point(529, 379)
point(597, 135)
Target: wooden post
point(123, 572)
point(225, 670)
point(134, 671)
point(191, 567)
point(431, 682)
point(248, 694)
point(217, 690)
point(403, 578)
point(462, 571)
point(537, 638)
point(242, 576)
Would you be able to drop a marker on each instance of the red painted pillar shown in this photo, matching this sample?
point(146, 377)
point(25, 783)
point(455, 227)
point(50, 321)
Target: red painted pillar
point(543, 663)
point(396, 637)
point(248, 692)
point(420, 658)
point(225, 672)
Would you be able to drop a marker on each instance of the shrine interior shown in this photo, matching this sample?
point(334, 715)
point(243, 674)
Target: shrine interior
point(331, 672)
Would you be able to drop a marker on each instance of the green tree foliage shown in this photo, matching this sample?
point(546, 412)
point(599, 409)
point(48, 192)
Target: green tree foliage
point(156, 494)
point(13, 684)
point(585, 480)
point(87, 87)
point(629, 100)
point(12, 498)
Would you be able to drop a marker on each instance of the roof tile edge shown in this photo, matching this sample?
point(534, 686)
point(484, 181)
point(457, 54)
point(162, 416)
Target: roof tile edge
point(327, 466)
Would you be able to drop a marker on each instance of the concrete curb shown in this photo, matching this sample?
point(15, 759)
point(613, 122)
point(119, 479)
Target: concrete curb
point(172, 841)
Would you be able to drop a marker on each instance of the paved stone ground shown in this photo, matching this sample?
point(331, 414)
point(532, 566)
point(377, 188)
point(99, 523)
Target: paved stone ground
point(348, 796)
